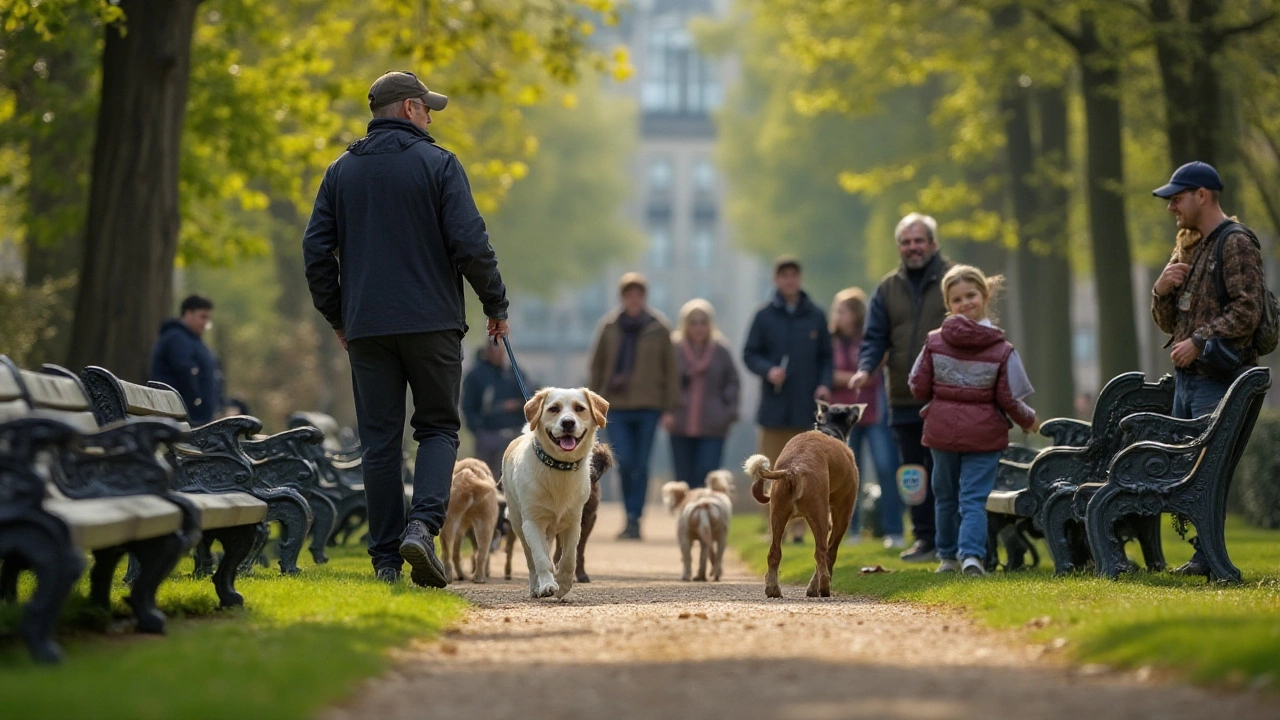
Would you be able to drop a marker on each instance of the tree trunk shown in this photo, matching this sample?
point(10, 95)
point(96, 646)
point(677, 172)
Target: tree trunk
point(126, 285)
point(1108, 228)
point(1055, 395)
point(1192, 92)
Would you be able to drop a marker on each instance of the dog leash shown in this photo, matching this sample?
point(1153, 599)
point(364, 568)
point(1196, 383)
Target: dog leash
point(516, 369)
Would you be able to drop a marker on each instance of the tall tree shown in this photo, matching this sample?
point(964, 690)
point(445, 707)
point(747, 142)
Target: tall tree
point(131, 234)
point(1099, 61)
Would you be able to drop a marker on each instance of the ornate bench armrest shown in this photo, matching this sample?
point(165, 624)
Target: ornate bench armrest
point(22, 439)
point(289, 443)
point(141, 435)
point(1055, 465)
point(223, 435)
point(1067, 432)
point(1147, 464)
point(1154, 427)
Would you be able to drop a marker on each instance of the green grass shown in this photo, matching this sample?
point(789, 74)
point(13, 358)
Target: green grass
point(300, 644)
point(1207, 633)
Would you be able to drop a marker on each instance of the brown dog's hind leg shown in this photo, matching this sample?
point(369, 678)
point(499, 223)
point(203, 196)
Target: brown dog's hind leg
point(511, 546)
point(820, 583)
point(779, 514)
point(841, 516)
point(588, 522)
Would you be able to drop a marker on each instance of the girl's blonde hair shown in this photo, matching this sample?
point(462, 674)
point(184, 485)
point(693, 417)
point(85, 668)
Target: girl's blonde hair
point(696, 305)
point(854, 299)
point(990, 287)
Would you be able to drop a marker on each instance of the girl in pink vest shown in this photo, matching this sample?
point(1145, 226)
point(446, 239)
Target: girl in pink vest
point(975, 387)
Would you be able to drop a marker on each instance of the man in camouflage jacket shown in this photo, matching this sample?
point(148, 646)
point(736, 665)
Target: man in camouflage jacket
point(1185, 301)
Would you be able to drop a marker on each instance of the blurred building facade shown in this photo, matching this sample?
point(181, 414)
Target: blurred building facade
point(677, 204)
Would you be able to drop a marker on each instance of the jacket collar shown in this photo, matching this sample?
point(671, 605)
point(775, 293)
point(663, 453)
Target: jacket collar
point(932, 269)
point(385, 124)
point(802, 303)
point(553, 463)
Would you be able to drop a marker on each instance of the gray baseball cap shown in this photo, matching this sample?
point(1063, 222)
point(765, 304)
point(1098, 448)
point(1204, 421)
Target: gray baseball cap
point(396, 86)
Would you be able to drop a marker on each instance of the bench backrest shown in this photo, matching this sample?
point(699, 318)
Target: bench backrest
point(52, 393)
point(115, 399)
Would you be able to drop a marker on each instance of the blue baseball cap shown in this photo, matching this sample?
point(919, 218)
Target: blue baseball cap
point(1191, 176)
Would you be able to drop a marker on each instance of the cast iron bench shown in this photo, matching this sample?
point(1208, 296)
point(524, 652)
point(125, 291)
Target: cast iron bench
point(1056, 471)
point(67, 488)
point(341, 477)
point(1187, 478)
point(212, 461)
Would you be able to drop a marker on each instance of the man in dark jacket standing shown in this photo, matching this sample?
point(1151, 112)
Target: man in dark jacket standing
point(789, 347)
point(393, 233)
point(181, 360)
point(905, 308)
point(492, 405)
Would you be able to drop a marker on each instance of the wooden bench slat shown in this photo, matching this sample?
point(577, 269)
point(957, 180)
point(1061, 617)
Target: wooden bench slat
point(147, 401)
point(54, 392)
point(97, 523)
point(219, 510)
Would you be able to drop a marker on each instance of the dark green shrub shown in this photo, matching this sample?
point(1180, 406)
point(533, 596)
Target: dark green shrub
point(1255, 490)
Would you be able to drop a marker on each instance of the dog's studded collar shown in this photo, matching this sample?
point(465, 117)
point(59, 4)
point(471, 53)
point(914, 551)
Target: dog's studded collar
point(829, 432)
point(553, 463)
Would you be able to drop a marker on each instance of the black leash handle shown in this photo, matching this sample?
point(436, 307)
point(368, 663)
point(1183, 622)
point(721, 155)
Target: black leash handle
point(516, 369)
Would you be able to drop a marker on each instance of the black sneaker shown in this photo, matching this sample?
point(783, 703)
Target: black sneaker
point(1193, 568)
point(388, 575)
point(631, 531)
point(419, 550)
point(918, 553)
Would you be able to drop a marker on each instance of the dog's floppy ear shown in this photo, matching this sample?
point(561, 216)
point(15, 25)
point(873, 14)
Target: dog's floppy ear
point(599, 408)
point(533, 408)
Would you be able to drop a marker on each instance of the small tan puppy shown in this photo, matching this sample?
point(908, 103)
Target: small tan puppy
point(473, 504)
point(546, 473)
point(816, 479)
point(702, 514)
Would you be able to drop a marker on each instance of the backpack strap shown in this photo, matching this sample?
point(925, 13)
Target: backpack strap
point(1227, 228)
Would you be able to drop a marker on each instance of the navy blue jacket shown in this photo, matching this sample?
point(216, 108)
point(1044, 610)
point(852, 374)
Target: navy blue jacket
point(181, 360)
point(803, 337)
point(484, 390)
point(393, 232)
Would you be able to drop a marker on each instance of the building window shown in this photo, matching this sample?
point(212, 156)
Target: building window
point(704, 247)
point(678, 81)
point(659, 247)
point(660, 174)
point(704, 176)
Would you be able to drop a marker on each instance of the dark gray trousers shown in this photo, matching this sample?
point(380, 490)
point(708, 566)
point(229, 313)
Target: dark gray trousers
point(429, 364)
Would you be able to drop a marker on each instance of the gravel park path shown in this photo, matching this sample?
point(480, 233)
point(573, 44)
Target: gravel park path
point(638, 643)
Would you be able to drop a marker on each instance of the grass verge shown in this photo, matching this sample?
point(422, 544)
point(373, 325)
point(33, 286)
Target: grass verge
point(300, 644)
point(1207, 633)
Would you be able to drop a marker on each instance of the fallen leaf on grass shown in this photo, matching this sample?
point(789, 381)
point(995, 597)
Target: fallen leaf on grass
point(872, 569)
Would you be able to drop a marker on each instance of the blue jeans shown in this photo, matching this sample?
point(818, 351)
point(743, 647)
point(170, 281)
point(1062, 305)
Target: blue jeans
point(694, 457)
point(631, 434)
point(1195, 395)
point(884, 453)
point(961, 484)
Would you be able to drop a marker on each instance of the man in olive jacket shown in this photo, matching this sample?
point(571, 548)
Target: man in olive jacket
point(633, 366)
point(393, 234)
point(905, 308)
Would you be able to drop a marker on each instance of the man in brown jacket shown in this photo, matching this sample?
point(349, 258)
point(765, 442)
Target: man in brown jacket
point(633, 365)
point(1185, 301)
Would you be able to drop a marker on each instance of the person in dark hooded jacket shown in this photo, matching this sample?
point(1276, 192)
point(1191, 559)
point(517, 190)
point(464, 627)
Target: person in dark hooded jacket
point(393, 234)
point(181, 360)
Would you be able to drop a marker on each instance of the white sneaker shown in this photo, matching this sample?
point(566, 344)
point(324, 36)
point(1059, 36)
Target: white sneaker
point(893, 542)
point(854, 539)
point(973, 566)
point(947, 566)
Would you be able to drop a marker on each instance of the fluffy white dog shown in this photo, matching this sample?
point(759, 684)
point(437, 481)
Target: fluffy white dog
point(546, 476)
point(703, 516)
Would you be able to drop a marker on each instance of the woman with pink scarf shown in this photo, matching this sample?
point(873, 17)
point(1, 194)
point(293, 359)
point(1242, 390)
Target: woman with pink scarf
point(708, 394)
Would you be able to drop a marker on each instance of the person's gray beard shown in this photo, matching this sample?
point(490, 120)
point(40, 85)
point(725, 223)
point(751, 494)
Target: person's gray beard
point(915, 263)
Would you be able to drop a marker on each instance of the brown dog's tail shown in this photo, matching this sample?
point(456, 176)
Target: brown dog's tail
point(601, 461)
point(758, 467)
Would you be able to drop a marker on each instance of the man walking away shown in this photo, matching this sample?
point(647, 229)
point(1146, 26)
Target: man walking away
point(393, 233)
point(181, 360)
point(905, 308)
point(1209, 299)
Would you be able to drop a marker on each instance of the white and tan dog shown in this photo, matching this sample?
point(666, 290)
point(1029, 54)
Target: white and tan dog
point(546, 476)
point(702, 514)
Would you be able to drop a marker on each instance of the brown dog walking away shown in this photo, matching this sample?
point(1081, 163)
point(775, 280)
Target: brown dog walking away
point(473, 505)
point(816, 478)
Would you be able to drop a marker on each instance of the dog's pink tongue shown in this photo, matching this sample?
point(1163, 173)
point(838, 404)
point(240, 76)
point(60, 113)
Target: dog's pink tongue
point(567, 443)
